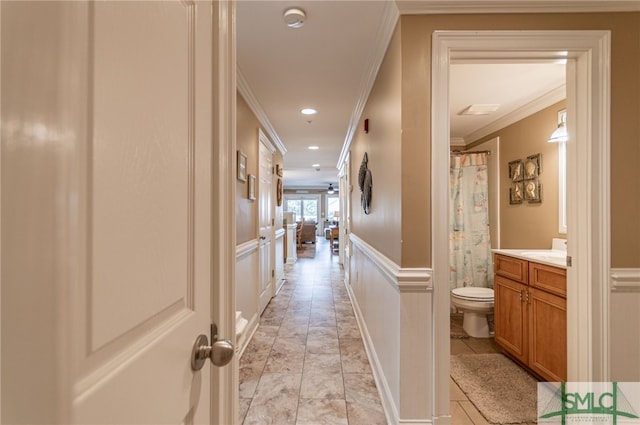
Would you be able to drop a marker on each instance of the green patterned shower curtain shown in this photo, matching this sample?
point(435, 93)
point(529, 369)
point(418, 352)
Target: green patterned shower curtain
point(470, 260)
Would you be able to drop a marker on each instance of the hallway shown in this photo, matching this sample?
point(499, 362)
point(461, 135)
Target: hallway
point(306, 363)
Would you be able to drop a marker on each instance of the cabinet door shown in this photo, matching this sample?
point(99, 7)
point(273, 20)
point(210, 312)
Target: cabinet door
point(548, 335)
point(511, 330)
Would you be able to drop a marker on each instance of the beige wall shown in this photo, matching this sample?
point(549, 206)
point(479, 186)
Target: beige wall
point(247, 142)
point(530, 225)
point(383, 226)
point(625, 109)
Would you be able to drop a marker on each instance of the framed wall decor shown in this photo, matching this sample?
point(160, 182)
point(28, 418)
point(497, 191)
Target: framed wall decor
point(242, 166)
point(279, 192)
point(532, 189)
point(516, 173)
point(533, 166)
point(252, 187)
point(279, 170)
point(516, 195)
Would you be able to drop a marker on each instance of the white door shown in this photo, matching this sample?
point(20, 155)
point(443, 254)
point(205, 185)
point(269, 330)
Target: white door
point(265, 224)
point(107, 205)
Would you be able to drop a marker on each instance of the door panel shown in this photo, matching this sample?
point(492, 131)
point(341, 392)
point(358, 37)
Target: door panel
point(147, 261)
point(265, 216)
point(107, 215)
point(511, 330)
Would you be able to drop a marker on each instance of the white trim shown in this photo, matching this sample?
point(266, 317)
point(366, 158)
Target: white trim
point(544, 101)
point(247, 94)
point(262, 137)
point(588, 97)
point(625, 280)
point(404, 279)
point(420, 7)
point(386, 397)
point(224, 393)
point(279, 233)
point(383, 38)
point(246, 248)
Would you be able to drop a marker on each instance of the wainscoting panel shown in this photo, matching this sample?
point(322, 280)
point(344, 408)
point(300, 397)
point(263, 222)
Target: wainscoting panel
point(393, 308)
point(247, 262)
point(625, 325)
point(279, 259)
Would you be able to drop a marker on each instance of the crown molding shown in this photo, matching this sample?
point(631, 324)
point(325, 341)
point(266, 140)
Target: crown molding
point(252, 101)
point(418, 7)
point(536, 105)
point(390, 17)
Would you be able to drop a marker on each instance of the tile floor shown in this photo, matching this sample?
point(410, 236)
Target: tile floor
point(306, 363)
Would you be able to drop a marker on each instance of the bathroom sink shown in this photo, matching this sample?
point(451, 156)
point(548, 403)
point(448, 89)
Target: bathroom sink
point(545, 253)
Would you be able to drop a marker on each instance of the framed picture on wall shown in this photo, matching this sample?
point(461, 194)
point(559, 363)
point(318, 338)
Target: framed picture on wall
point(242, 166)
point(252, 187)
point(532, 166)
point(516, 195)
point(532, 189)
point(516, 173)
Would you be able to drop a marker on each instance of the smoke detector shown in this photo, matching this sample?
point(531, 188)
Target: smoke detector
point(294, 17)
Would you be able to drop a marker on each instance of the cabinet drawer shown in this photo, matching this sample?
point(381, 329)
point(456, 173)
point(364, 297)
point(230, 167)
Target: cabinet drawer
point(510, 267)
point(548, 278)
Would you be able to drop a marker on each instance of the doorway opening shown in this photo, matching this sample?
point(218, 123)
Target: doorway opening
point(588, 57)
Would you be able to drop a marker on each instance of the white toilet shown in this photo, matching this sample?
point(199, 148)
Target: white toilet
point(476, 303)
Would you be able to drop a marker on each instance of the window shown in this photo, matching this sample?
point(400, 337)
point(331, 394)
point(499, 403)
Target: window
point(305, 208)
point(333, 206)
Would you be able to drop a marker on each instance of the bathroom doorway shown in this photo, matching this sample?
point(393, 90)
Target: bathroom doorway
point(587, 53)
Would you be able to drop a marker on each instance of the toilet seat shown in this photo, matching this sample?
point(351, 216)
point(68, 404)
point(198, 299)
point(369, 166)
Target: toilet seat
point(473, 293)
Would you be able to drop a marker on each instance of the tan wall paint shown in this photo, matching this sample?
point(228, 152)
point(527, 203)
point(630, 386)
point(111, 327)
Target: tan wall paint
point(247, 126)
point(247, 142)
point(383, 226)
point(416, 33)
point(529, 225)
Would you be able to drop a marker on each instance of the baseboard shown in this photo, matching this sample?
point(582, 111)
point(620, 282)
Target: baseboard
point(250, 330)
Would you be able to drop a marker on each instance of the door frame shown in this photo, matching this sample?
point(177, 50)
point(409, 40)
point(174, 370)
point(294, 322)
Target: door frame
point(588, 99)
point(264, 140)
point(225, 399)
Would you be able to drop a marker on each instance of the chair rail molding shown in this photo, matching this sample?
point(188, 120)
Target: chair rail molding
point(405, 279)
point(625, 280)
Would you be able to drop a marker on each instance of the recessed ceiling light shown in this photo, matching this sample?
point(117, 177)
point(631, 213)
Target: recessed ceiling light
point(314, 148)
point(480, 109)
point(315, 165)
point(309, 111)
point(294, 17)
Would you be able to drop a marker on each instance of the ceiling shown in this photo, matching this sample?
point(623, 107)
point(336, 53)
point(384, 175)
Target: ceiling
point(330, 64)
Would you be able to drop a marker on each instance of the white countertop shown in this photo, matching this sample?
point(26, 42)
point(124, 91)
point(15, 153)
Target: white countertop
point(550, 257)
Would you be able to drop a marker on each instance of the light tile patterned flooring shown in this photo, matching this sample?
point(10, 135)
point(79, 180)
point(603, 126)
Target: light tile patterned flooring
point(306, 363)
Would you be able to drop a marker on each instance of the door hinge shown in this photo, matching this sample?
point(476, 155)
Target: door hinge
point(273, 273)
point(273, 221)
point(568, 261)
point(273, 170)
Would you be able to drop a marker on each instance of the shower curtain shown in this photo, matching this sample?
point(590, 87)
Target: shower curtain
point(470, 257)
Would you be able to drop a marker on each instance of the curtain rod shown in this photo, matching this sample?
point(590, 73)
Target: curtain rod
point(466, 152)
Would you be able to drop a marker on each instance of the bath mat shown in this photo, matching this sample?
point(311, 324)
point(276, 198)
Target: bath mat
point(457, 332)
point(502, 391)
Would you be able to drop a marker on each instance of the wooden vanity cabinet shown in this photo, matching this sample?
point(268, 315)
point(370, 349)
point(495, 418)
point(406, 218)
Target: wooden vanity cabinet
point(510, 321)
point(530, 315)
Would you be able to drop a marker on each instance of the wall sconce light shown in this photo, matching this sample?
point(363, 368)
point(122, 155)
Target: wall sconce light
point(560, 134)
